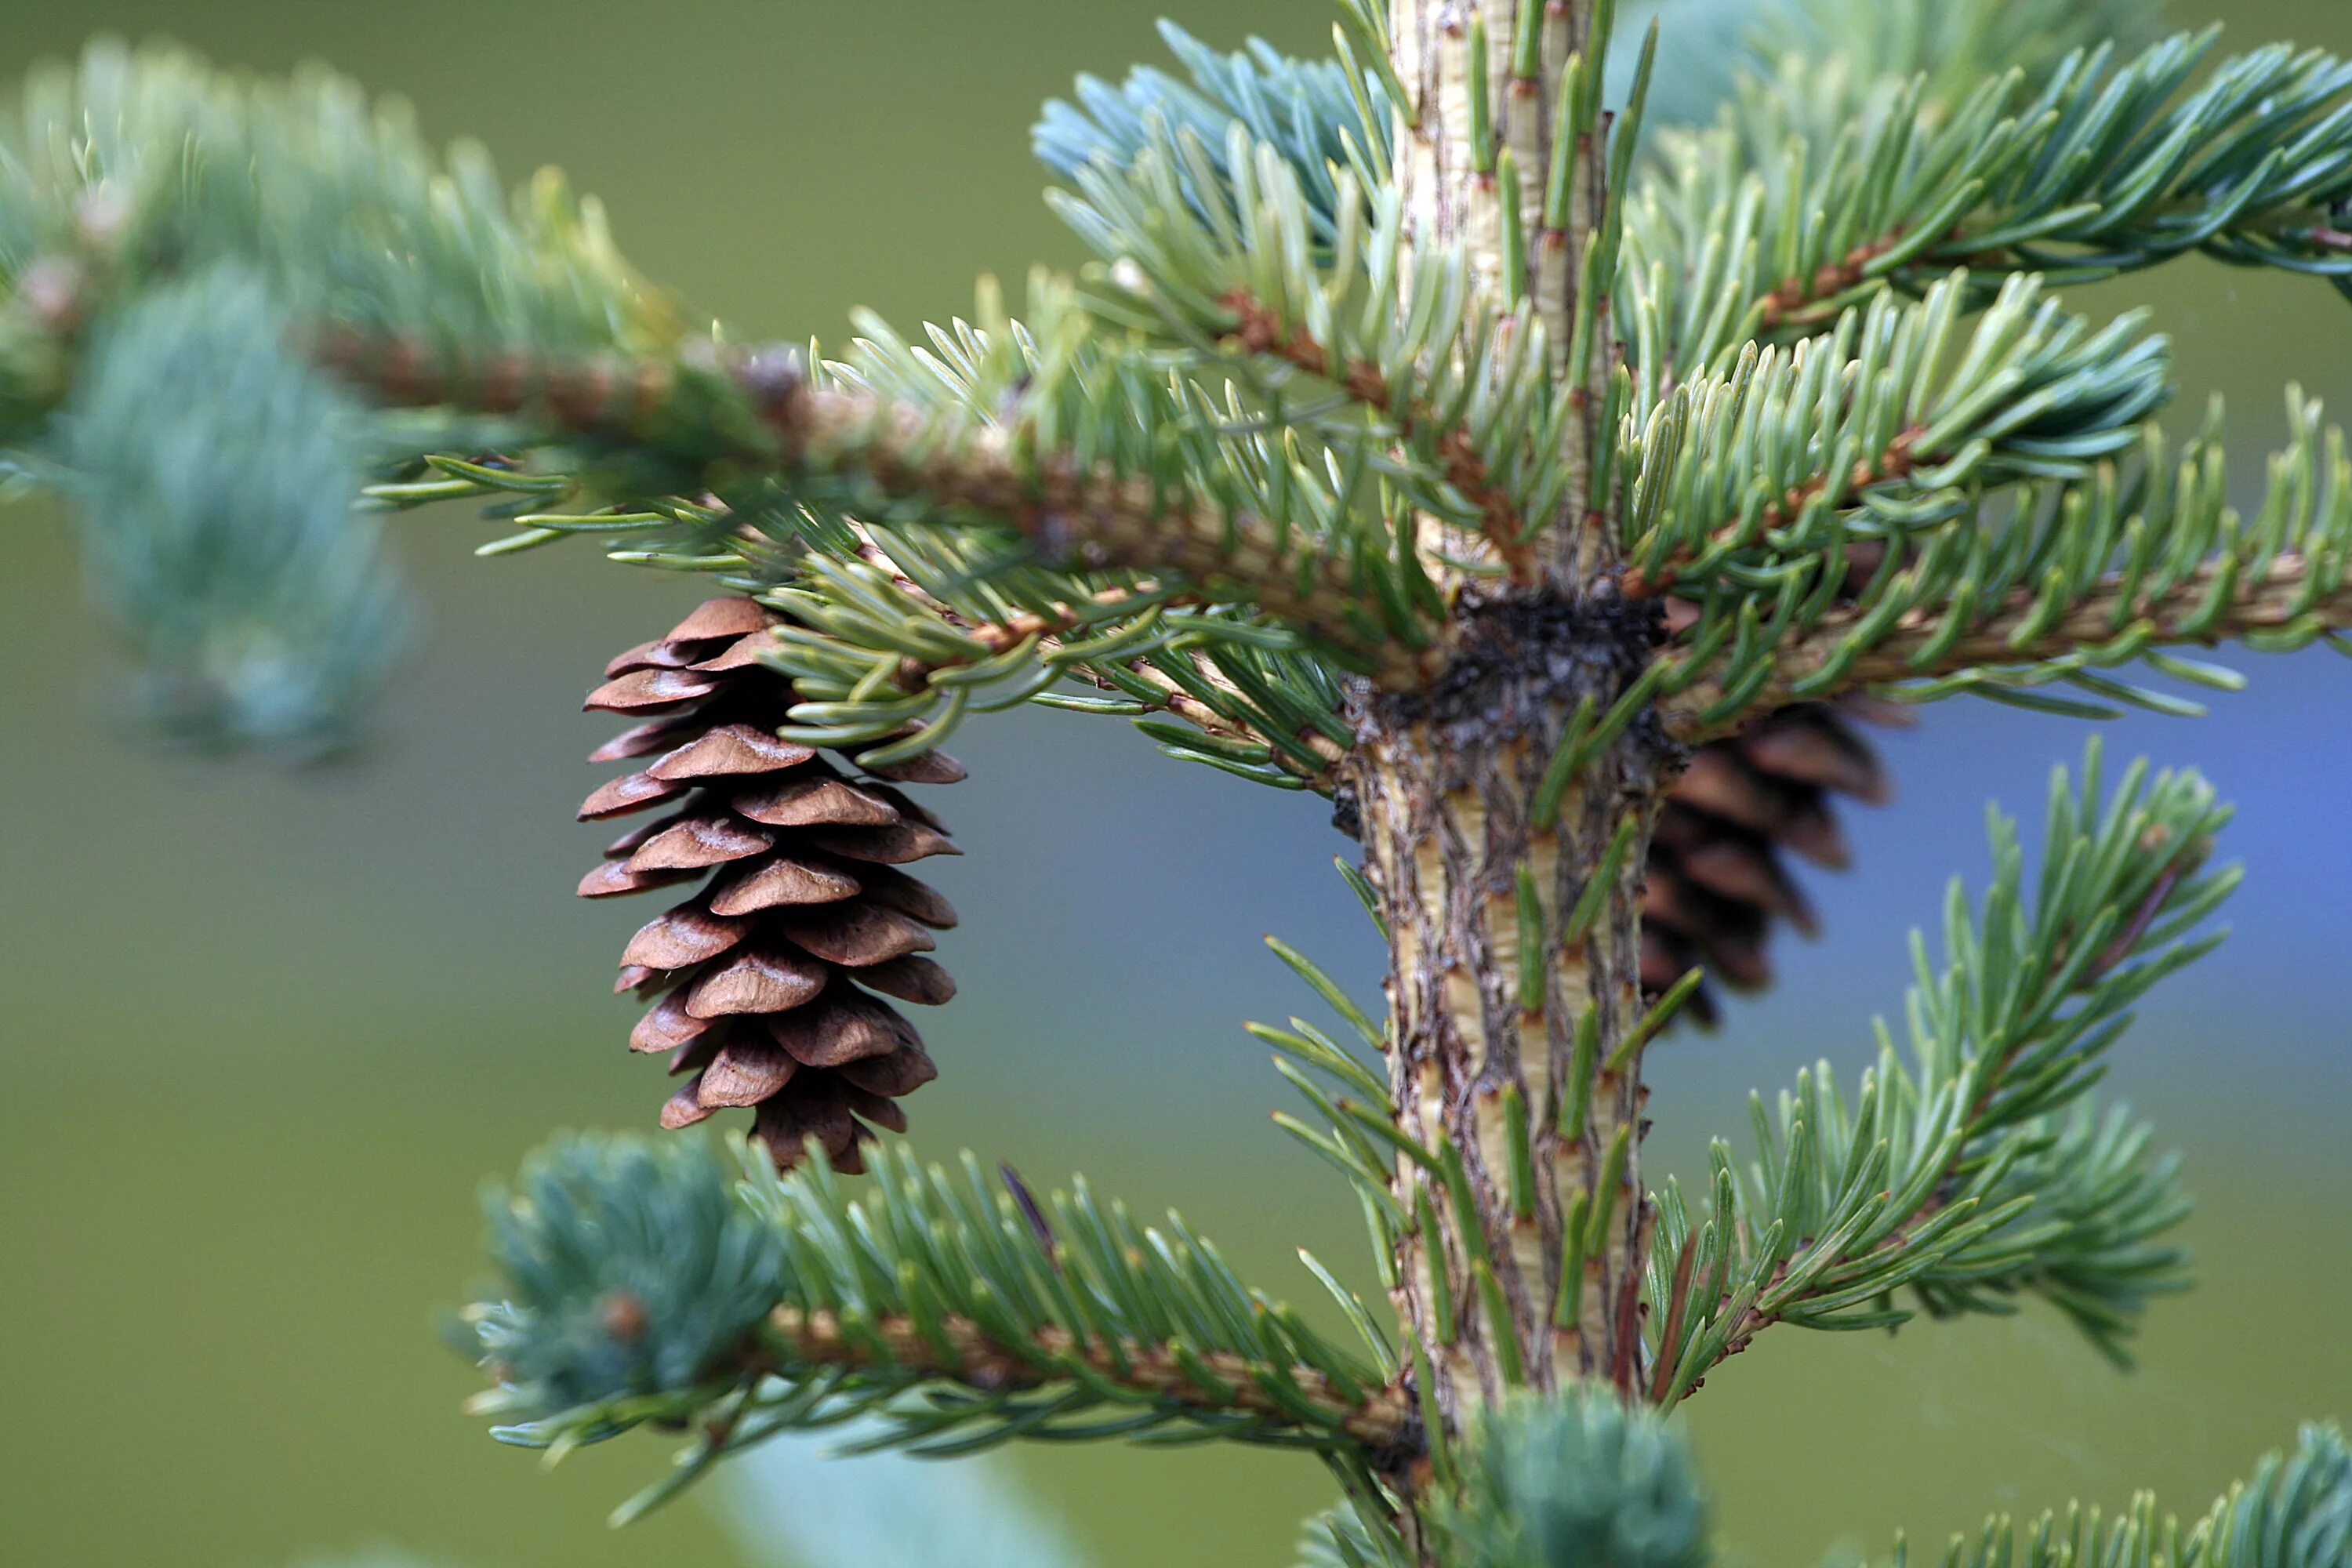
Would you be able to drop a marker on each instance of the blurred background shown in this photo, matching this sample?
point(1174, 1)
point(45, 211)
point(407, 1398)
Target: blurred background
point(262, 1035)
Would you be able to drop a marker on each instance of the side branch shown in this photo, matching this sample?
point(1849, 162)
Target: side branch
point(1833, 184)
point(2277, 601)
point(760, 412)
point(1885, 427)
point(1057, 633)
point(1100, 520)
point(959, 1350)
point(1971, 1172)
point(676, 1283)
point(1261, 331)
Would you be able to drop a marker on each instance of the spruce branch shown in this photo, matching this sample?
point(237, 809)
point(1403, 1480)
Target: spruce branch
point(1969, 1173)
point(1893, 424)
point(1168, 1377)
point(1379, 356)
point(1829, 183)
point(1115, 494)
point(894, 650)
point(1320, 116)
point(1332, 527)
point(424, 287)
point(2058, 584)
point(2273, 607)
point(2293, 1511)
point(640, 1286)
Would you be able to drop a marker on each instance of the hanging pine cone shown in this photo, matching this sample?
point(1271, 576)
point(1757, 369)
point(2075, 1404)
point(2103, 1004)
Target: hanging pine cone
point(1718, 877)
point(763, 981)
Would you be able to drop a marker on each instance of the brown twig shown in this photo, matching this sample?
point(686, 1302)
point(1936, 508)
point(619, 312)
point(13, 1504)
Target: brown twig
point(1100, 518)
point(1502, 524)
point(1895, 462)
point(1383, 1418)
point(2268, 601)
point(1798, 301)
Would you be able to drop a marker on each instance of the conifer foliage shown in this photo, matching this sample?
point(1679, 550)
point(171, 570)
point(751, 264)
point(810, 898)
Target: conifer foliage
point(1546, 443)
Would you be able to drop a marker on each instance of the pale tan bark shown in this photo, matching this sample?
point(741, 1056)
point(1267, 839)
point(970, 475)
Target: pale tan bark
point(1444, 781)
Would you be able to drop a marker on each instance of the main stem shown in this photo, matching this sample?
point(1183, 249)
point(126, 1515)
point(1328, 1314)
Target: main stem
point(1523, 1264)
point(1548, 1134)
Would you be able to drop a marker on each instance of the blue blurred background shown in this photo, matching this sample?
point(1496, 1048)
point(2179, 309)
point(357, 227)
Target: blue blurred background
point(262, 1035)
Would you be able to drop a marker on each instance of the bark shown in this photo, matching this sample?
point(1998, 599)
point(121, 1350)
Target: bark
point(1448, 199)
point(1443, 783)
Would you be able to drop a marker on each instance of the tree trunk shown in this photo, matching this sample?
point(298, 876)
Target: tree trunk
point(1444, 784)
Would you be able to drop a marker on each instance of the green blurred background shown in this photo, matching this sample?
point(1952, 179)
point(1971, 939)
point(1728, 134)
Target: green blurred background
point(261, 1036)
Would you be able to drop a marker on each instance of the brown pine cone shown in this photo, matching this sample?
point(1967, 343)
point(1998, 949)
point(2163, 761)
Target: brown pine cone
point(1718, 875)
point(763, 981)
point(1717, 878)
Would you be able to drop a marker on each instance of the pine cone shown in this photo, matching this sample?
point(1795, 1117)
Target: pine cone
point(1717, 878)
point(764, 980)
